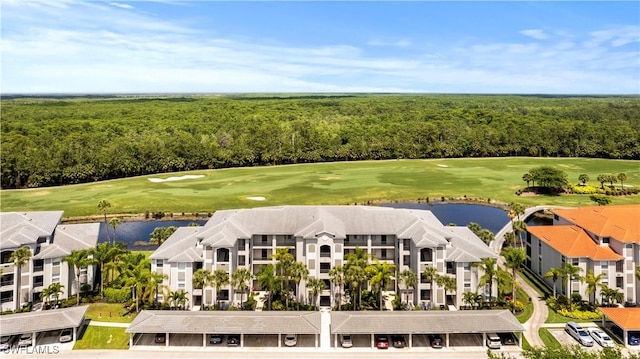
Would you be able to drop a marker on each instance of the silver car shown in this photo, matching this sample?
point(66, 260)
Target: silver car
point(290, 340)
point(66, 335)
point(345, 341)
point(25, 340)
point(579, 334)
point(601, 337)
point(5, 342)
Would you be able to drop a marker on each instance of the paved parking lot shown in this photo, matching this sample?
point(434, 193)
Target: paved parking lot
point(565, 339)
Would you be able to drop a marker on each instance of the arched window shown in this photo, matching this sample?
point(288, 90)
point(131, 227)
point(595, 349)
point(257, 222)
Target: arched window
point(426, 255)
point(222, 254)
point(325, 251)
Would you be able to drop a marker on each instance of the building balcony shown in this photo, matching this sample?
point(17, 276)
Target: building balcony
point(7, 267)
point(6, 283)
point(224, 266)
point(197, 291)
point(38, 269)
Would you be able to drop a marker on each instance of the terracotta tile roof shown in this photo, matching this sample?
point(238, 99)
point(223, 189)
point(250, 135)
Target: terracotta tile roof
point(573, 241)
point(619, 222)
point(625, 318)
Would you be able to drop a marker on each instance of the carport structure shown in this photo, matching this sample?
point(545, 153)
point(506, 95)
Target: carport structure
point(43, 321)
point(412, 323)
point(225, 322)
point(628, 319)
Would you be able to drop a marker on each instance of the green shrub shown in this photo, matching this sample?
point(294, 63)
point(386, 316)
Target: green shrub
point(113, 295)
point(579, 314)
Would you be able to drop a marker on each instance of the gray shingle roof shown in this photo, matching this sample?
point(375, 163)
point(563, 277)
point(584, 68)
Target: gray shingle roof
point(425, 322)
point(467, 247)
point(226, 226)
point(224, 322)
point(41, 321)
point(70, 237)
point(18, 229)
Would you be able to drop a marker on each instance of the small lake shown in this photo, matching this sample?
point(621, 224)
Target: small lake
point(461, 214)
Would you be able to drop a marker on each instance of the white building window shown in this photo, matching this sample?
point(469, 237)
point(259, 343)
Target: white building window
point(181, 284)
point(55, 278)
point(182, 266)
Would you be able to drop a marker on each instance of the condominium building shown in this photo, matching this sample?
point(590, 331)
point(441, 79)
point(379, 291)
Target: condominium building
point(48, 241)
point(602, 239)
point(321, 237)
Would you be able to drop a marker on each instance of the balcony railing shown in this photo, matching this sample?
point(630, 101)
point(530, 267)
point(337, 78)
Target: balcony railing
point(38, 269)
point(6, 282)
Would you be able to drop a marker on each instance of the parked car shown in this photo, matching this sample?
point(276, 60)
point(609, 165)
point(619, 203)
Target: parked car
point(398, 341)
point(25, 340)
point(493, 341)
point(634, 338)
point(233, 340)
point(66, 335)
point(579, 334)
point(507, 338)
point(436, 341)
point(6, 342)
point(601, 337)
point(215, 339)
point(290, 340)
point(160, 338)
point(345, 341)
point(382, 342)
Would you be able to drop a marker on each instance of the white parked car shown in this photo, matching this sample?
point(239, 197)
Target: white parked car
point(601, 337)
point(345, 341)
point(579, 334)
point(290, 340)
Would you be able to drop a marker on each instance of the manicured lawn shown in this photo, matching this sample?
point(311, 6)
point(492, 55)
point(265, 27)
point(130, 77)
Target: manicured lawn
point(103, 338)
point(557, 318)
point(322, 183)
point(549, 340)
point(108, 312)
point(528, 306)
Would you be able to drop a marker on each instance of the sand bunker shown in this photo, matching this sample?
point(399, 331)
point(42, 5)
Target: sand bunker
point(443, 166)
point(256, 198)
point(156, 180)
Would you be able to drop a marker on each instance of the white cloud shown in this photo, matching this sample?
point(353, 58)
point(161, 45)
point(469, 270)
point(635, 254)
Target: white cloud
point(125, 51)
point(535, 34)
point(120, 5)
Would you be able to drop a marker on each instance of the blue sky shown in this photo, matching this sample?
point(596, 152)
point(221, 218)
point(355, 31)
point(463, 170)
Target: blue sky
point(68, 46)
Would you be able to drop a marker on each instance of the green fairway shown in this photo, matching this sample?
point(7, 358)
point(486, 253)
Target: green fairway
point(341, 183)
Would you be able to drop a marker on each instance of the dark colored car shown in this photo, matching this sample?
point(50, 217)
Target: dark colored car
point(436, 341)
point(160, 338)
point(215, 339)
point(233, 340)
point(382, 342)
point(398, 341)
point(634, 338)
point(507, 338)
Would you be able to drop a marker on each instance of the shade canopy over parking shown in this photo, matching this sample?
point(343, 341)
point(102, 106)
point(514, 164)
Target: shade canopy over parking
point(42, 321)
point(425, 322)
point(224, 322)
point(626, 318)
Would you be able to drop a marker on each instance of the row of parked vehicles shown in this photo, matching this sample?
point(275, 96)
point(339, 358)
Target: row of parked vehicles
point(26, 340)
point(396, 341)
point(589, 337)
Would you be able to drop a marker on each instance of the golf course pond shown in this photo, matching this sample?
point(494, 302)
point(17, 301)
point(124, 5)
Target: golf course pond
point(491, 218)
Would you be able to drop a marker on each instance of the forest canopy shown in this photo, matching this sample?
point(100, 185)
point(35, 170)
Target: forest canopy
point(58, 141)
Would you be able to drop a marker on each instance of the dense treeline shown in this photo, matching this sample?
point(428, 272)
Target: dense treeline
point(62, 141)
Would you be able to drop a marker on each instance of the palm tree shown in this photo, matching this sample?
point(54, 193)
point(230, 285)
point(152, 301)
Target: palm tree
point(336, 276)
point(114, 222)
point(316, 286)
point(155, 281)
point(488, 267)
point(554, 274)
point(622, 177)
point(240, 279)
point(268, 281)
point(602, 178)
point(593, 282)
point(77, 260)
point(54, 290)
point(356, 276)
point(44, 296)
point(471, 298)
point(527, 178)
point(104, 253)
point(448, 283)
point(409, 280)
point(519, 227)
point(570, 272)
point(284, 260)
point(355, 270)
point(514, 258)
point(381, 274)
point(299, 272)
point(103, 206)
point(136, 272)
point(219, 279)
point(19, 258)
point(584, 178)
point(201, 279)
point(178, 299)
point(430, 274)
point(510, 239)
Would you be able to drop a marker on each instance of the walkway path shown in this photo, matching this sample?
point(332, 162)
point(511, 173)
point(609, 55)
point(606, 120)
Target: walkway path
point(109, 324)
point(539, 316)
